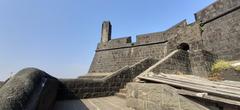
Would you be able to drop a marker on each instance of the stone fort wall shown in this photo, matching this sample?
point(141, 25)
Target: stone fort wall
point(117, 53)
point(216, 30)
point(221, 28)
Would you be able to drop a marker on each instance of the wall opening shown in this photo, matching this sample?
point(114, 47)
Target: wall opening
point(183, 46)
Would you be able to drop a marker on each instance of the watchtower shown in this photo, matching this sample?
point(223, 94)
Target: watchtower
point(106, 31)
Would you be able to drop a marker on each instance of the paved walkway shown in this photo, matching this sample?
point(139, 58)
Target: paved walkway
point(103, 103)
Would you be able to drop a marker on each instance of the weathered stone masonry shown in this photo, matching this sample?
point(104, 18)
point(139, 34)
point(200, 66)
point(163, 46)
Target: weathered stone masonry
point(117, 53)
point(216, 31)
point(1, 83)
point(221, 28)
point(183, 48)
point(109, 85)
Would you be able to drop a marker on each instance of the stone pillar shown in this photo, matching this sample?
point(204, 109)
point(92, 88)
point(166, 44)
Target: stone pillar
point(106, 31)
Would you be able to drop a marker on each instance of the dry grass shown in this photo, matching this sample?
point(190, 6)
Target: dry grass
point(217, 67)
point(215, 77)
point(220, 65)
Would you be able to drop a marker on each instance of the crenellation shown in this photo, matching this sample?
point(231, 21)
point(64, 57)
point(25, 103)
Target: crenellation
point(151, 38)
point(115, 43)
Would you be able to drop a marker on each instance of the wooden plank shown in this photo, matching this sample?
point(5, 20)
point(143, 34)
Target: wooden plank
point(207, 83)
point(229, 83)
point(193, 86)
point(202, 81)
point(208, 97)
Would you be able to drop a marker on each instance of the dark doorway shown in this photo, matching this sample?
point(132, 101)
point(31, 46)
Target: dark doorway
point(183, 46)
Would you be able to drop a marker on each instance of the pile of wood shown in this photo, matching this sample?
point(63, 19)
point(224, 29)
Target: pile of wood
point(189, 85)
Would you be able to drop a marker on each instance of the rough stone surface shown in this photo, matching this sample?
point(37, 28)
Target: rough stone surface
point(112, 60)
point(115, 54)
point(147, 96)
point(102, 103)
point(177, 63)
point(215, 31)
point(230, 74)
point(221, 36)
point(211, 105)
point(201, 62)
point(1, 84)
point(29, 89)
point(106, 31)
point(214, 35)
point(218, 8)
point(220, 28)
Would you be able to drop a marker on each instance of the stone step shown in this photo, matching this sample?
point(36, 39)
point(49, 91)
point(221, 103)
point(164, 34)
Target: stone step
point(124, 90)
point(121, 95)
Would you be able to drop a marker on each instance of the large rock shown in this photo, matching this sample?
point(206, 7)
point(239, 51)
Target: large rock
point(230, 74)
point(148, 96)
point(29, 89)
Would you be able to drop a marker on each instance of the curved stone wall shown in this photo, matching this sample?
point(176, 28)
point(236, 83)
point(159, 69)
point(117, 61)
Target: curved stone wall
point(29, 89)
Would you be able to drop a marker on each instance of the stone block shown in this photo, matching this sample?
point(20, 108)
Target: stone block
point(147, 96)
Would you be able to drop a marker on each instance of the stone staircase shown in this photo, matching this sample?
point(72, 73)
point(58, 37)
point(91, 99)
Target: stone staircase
point(94, 76)
point(122, 93)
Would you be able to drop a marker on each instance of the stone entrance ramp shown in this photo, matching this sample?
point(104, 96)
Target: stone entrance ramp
point(102, 103)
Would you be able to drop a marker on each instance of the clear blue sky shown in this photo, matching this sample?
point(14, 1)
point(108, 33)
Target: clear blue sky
point(60, 36)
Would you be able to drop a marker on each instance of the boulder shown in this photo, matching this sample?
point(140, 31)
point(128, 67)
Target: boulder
point(29, 89)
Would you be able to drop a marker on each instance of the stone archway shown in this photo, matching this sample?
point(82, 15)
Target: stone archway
point(183, 46)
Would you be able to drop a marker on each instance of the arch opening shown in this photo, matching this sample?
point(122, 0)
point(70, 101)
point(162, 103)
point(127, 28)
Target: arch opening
point(183, 46)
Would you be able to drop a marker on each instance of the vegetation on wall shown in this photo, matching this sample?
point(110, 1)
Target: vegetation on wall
point(219, 66)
